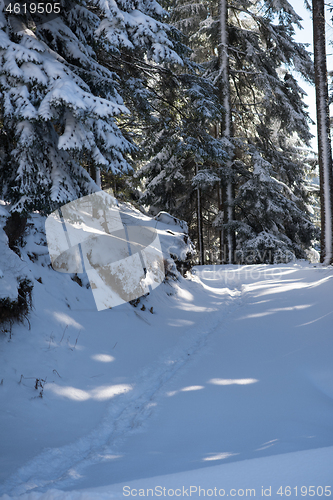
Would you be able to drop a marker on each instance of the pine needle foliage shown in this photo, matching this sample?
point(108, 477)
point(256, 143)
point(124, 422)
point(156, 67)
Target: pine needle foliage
point(62, 93)
point(270, 129)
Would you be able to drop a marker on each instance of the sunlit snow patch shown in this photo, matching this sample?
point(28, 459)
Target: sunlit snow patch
point(103, 358)
point(122, 257)
point(236, 381)
point(101, 393)
point(218, 456)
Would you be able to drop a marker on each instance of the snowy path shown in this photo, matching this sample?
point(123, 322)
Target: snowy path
point(59, 466)
point(252, 378)
point(263, 385)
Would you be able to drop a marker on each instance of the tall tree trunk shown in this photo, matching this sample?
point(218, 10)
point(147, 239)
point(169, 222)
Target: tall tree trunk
point(323, 128)
point(98, 177)
point(199, 224)
point(221, 231)
point(226, 124)
point(95, 173)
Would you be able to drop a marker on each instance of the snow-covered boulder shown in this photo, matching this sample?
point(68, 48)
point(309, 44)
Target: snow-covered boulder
point(15, 278)
point(175, 241)
point(173, 221)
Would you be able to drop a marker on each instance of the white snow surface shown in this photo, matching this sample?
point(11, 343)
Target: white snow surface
point(227, 383)
point(12, 268)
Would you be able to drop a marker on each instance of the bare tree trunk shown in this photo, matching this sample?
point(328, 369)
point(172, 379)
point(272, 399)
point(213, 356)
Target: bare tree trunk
point(226, 125)
point(221, 231)
point(208, 239)
point(95, 173)
point(323, 127)
point(199, 225)
point(98, 177)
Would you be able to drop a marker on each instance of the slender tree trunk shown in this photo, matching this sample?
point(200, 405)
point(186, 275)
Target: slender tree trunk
point(98, 177)
point(95, 174)
point(221, 258)
point(199, 225)
point(226, 125)
point(222, 239)
point(323, 128)
point(208, 239)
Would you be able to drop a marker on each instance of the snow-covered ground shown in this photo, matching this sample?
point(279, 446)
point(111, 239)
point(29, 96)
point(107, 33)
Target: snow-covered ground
point(224, 382)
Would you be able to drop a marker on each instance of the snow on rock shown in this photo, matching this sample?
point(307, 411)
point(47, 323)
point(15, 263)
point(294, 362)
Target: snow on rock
point(175, 243)
point(175, 240)
point(170, 219)
point(3, 211)
point(12, 269)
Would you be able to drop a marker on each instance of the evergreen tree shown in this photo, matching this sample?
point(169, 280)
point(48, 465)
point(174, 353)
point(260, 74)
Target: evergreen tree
point(177, 142)
point(61, 101)
point(269, 125)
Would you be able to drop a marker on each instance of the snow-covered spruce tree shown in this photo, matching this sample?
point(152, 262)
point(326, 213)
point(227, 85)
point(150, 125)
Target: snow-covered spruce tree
point(177, 142)
point(269, 122)
point(60, 102)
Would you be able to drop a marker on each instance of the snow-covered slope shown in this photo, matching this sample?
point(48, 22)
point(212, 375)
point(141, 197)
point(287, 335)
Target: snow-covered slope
point(222, 380)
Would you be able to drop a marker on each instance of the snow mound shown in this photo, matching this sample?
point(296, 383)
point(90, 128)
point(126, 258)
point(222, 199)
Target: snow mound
point(173, 221)
point(13, 270)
